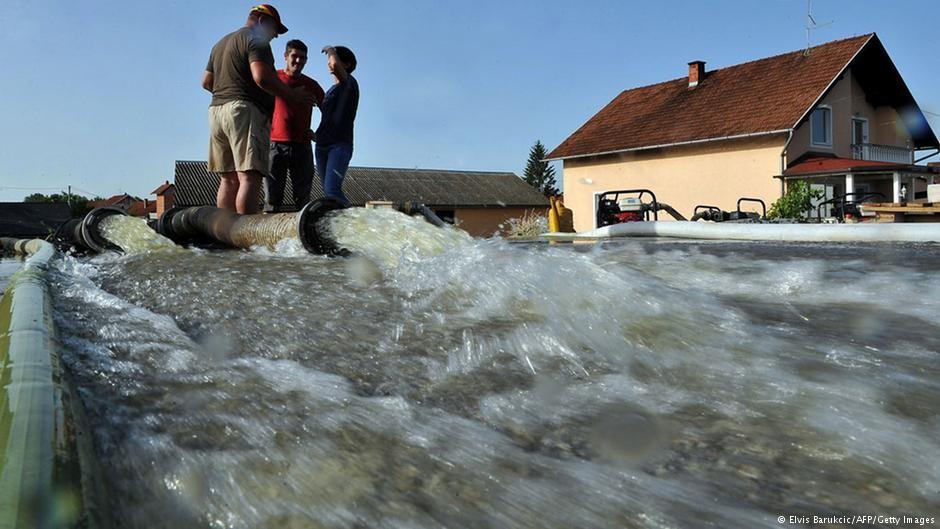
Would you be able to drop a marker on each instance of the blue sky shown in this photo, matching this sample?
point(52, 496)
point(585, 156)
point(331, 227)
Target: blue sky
point(105, 95)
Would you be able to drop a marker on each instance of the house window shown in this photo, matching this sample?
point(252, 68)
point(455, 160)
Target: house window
point(859, 131)
point(821, 124)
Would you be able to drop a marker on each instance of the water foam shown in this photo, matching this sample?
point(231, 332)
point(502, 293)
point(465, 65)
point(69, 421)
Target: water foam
point(478, 383)
point(133, 235)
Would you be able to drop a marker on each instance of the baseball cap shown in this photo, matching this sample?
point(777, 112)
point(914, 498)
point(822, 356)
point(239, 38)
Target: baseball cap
point(268, 9)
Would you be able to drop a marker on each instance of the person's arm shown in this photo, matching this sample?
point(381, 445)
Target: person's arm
point(348, 102)
point(207, 80)
point(318, 92)
point(266, 78)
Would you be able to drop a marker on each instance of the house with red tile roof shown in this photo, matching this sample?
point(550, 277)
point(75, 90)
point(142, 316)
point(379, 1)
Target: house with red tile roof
point(143, 208)
point(837, 115)
point(134, 206)
point(122, 201)
point(166, 197)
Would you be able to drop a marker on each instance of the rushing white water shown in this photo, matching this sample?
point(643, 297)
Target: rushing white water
point(133, 235)
point(391, 238)
point(441, 381)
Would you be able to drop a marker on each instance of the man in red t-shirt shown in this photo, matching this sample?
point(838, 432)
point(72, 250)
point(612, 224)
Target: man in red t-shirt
point(291, 134)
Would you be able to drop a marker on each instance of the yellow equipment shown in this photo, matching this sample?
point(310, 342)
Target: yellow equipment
point(560, 218)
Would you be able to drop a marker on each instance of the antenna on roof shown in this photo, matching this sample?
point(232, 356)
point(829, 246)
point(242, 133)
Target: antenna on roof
point(811, 25)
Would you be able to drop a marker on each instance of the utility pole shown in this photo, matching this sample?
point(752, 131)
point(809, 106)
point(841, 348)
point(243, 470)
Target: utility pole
point(68, 197)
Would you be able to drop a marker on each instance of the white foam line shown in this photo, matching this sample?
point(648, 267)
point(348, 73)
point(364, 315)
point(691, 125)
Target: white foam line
point(900, 232)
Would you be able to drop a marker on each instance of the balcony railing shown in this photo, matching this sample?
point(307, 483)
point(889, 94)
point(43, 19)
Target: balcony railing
point(882, 153)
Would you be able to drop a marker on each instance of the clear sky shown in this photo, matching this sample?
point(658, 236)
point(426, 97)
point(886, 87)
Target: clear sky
point(105, 95)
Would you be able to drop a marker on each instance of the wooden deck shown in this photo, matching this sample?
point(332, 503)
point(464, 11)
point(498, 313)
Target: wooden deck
point(903, 211)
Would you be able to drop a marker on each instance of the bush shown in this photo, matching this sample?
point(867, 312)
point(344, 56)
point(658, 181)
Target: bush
point(527, 227)
point(795, 202)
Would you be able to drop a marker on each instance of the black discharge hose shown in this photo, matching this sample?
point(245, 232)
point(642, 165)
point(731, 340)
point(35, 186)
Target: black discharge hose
point(84, 234)
point(412, 208)
point(210, 225)
point(671, 210)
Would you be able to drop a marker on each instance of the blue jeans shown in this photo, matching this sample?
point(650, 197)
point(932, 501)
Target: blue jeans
point(332, 163)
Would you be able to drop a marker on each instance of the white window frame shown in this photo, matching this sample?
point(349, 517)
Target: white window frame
point(830, 131)
point(866, 131)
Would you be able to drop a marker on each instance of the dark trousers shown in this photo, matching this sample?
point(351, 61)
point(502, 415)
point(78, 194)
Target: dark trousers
point(296, 158)
point(333, 161)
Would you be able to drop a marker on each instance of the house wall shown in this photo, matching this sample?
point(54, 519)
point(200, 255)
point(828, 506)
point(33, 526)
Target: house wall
point(165, 201)
point(847, 100)
point(715, 173)
point(484, 222)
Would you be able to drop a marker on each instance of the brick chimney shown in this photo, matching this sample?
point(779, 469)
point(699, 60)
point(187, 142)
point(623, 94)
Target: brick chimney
point(696, 73)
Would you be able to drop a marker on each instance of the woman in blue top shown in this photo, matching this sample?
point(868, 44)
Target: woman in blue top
point(334, 136)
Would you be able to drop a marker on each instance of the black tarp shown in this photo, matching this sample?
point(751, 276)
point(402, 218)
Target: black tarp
point(31, 219)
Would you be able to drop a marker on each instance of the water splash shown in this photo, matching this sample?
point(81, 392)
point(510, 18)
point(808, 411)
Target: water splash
point(391, 238)
point(477, 383)
point(134, 236)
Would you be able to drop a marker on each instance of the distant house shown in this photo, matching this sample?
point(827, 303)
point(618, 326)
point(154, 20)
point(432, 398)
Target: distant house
point(143, 208)
point(32, 219)
point(838, 116)
point(166, 197)
point(134, 206)
point(478, 202)
point(122, 201)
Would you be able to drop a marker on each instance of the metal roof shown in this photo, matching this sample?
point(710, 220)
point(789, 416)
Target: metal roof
point(196, 186)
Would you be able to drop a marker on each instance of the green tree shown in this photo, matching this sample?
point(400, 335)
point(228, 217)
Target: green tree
point(77, 203)
point(795, 202)
point(540, 174)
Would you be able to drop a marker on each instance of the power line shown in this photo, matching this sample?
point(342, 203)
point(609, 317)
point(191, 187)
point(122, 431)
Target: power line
point(57, 188)
point(31, 188)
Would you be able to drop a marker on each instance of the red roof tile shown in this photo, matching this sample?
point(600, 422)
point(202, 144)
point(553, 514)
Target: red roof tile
point(830, 164)
point(142, 208)
point(163, 187)
point(762, 96)
point(110, 201)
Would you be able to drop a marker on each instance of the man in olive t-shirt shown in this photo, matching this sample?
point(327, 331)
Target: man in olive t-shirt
point(241, 76)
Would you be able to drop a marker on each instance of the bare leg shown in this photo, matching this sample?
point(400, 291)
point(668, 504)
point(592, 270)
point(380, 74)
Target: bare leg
point(228, 190)
point(249, 185)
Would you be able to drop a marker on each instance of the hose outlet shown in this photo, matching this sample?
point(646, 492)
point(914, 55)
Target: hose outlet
point(87, 233)
point(314, 234)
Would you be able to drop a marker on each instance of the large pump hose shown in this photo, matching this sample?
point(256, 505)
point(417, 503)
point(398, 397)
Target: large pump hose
point(48, 473)
point(208, 225)
point(85, 234)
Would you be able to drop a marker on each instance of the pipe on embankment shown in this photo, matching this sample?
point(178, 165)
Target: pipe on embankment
point(867, 232)
point(208, 225)
point(48, 475)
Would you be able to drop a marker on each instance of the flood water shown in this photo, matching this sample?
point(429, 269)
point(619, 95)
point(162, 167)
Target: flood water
point(8, 266)
point(436, 380)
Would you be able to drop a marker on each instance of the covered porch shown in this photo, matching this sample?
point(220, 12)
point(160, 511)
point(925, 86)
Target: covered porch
point(869, 181)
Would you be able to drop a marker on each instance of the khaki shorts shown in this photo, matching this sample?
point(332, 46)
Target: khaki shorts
point(239, 138)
